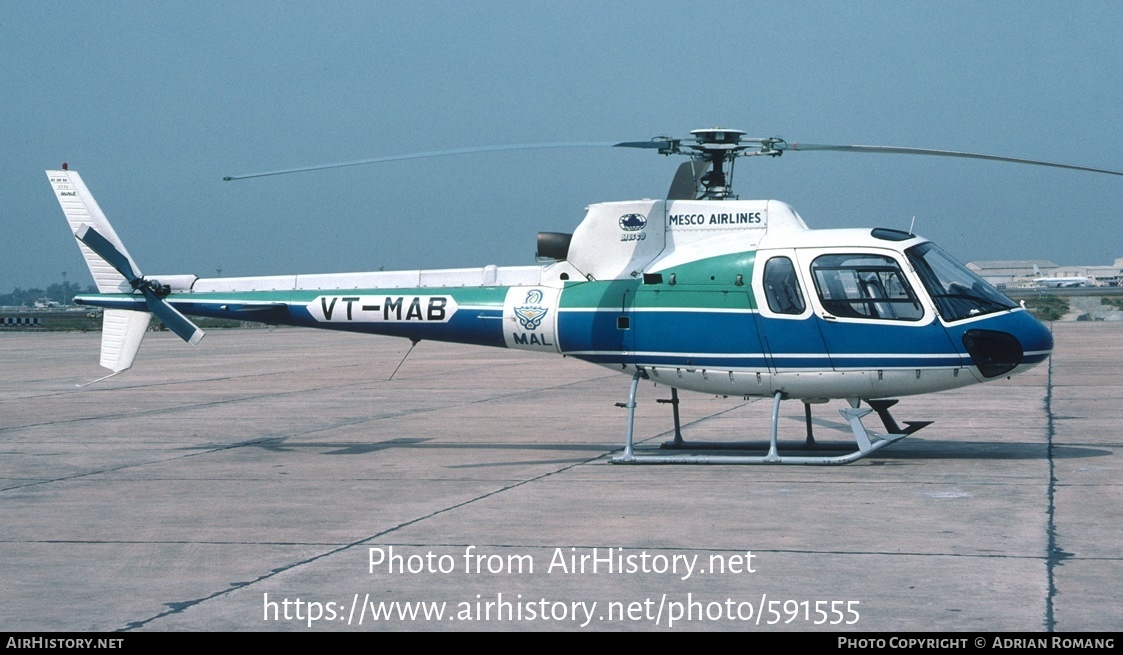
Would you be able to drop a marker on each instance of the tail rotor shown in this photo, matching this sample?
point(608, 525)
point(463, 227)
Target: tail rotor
point(154, 292)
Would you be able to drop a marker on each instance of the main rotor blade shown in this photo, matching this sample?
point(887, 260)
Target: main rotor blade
point(107, 251)
point(894, 150)
point(432, 153)
point(660, 143)
point(171, 317)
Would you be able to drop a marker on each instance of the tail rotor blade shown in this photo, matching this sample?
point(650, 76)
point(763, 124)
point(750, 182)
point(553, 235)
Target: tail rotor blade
point(176, 322)
point(171, 317)
point(107, 251)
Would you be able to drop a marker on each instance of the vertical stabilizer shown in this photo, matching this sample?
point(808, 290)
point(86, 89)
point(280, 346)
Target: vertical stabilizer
point(81, 209)
point(115, 272)
point(121, 334)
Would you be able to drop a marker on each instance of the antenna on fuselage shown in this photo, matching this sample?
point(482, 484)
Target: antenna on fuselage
point(412, 343)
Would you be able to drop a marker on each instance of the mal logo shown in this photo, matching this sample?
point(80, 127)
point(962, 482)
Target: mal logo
point(632, 222)
point(530, 315)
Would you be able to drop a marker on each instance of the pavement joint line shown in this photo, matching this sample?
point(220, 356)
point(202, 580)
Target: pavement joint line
point(339, 547)
point(177, 607)
point(1054, 556)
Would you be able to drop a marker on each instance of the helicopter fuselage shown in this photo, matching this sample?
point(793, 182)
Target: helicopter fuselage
point(732, 297)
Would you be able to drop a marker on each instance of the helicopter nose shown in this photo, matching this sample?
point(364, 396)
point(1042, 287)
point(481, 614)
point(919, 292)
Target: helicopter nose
point(1027, 343)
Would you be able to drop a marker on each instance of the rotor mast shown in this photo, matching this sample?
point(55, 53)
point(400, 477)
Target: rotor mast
point(718, 147)
point(712, 151)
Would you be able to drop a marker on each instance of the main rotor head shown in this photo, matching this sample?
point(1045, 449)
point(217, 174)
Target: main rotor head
point(712, 152)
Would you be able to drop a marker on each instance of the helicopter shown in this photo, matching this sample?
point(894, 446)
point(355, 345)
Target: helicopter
point(699, 291)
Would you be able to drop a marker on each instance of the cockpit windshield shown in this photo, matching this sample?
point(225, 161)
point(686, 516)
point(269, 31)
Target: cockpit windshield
point(957, 291)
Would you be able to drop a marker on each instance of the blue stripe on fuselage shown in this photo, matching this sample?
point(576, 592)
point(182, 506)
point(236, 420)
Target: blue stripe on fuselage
point(476, 326)
point(684, 337)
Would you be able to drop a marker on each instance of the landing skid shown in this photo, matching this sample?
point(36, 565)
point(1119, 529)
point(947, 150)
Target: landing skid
point(867, 443)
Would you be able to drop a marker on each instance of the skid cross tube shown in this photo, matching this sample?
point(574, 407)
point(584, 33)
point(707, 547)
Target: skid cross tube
point(867, 443)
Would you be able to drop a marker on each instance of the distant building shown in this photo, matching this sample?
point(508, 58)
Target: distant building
point(1106, 276)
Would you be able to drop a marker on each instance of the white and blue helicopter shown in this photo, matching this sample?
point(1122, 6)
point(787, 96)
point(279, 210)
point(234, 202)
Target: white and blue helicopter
point(699, 291)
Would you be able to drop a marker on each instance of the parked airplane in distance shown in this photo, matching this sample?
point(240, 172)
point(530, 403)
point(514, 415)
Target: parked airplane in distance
point(1058, 282)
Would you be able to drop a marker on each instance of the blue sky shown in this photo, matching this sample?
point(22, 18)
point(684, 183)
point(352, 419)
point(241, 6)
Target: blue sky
point(153, 103)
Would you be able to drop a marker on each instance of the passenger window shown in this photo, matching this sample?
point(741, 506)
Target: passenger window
point(781, 287)
point(864, 286)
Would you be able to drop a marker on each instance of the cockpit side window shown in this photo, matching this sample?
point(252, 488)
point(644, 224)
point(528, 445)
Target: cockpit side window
point(864, 286)
point(781, 287)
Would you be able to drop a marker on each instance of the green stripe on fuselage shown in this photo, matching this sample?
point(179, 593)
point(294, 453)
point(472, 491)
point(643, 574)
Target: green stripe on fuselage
point(466, 296)
point(713, 274)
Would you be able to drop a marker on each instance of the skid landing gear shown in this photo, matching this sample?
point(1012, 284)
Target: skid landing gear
point(867, 443)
